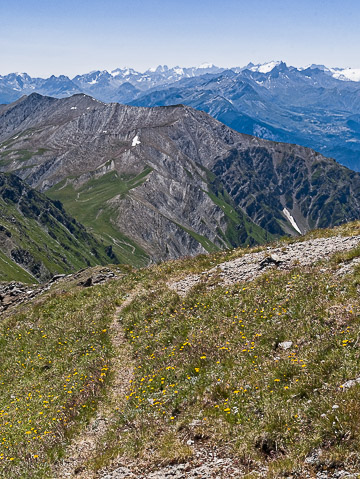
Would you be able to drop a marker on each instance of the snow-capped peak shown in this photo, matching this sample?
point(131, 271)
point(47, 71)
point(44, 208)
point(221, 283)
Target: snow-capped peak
point(178, 70)
point(206, 65)
point(265, 67)
point(158, 69)
point(347, 74)
point(115, 73)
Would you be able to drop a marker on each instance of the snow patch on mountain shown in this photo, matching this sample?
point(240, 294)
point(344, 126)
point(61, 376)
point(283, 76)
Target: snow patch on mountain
point(291, 219)
point(346, 74)
point(206, 65)
point(136, 141)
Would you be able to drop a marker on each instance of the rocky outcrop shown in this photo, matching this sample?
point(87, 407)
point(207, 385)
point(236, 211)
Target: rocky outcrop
point(252, 265)
point(14, 293)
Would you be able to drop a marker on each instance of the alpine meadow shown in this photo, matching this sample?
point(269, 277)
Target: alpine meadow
point(180, 243)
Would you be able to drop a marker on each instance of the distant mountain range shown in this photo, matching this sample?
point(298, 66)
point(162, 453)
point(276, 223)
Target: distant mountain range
point(316, 106)
point(164, 182)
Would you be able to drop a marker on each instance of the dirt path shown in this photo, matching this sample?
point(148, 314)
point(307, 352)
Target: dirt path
point(84, 446)
point(252, 265)
point(204, 463)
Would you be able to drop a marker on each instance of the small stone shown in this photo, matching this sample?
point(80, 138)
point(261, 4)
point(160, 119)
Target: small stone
point(272, 259)
point(285, 345)
point(351, 383)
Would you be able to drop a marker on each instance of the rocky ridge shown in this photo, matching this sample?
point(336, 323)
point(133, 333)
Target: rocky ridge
point(314, 106)
point(252, 265)
point(13, 293)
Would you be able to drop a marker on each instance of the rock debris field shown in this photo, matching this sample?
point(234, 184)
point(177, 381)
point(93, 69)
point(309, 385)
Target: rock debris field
point(206, 465)
point(252, 265)
point(12, 294)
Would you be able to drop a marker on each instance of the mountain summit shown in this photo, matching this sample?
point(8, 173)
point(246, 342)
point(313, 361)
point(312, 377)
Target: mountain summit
point(314, 106)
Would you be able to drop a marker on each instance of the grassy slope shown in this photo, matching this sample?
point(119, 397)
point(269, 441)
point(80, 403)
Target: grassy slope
point(7, 156)
point(60, 253)
point(10, 271)
point(54, 361)
point(89, 206)
point(213, 358)
point(240, 231)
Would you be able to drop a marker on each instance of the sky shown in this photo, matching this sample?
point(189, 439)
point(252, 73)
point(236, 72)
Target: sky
point(45, 37)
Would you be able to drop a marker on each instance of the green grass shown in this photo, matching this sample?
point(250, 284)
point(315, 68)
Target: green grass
point(54, 364)
point(240, 230)
point(89, 205)
point(59, 252)
point(19, 155)
point(208, 245)
point(208, 368)
point(10, 271)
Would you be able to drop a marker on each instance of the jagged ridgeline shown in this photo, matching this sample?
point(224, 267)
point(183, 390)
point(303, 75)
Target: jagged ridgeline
point(317, 107)
point(38, 238)
point(161, 183)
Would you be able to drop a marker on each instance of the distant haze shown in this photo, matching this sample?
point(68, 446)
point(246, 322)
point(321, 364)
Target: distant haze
point(43, 38)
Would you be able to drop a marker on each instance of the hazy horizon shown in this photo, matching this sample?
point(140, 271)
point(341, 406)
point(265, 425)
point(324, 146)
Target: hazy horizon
point(124, 67)
point(42, 38)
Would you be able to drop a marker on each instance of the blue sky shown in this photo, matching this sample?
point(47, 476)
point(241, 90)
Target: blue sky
point(76, 36)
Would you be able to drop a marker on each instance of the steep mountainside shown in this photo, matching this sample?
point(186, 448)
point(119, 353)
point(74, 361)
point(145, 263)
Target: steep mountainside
point(316, 106)
point(38, 238)
point(170, 181)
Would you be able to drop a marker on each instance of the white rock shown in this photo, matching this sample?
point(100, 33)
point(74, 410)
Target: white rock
point(285, 345)
point(351, 383)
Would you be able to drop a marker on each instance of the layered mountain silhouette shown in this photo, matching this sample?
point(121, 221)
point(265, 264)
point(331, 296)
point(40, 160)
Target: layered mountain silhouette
point(317, 107)
point(165, 182)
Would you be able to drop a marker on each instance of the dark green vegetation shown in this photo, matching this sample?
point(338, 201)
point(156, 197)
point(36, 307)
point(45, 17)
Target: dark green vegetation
point(240, 230)
point(38, 238)
point(208, 367)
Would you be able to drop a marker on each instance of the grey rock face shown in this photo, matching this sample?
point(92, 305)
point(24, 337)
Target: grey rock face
point(192, 184)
